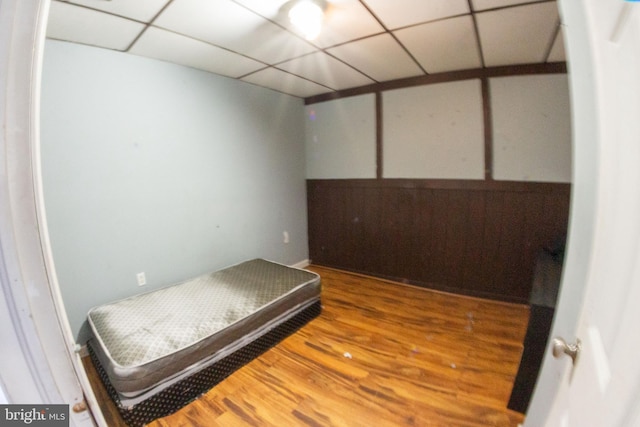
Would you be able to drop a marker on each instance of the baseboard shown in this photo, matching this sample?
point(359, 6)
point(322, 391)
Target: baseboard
point(82, 350)
point(302, 264)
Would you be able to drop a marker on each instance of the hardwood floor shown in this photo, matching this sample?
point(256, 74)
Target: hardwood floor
point(380, 354)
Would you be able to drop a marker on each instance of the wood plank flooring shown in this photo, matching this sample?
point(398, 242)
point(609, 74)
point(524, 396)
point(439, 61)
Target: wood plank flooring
point(380, 354)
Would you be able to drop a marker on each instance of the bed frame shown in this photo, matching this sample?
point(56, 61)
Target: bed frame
point(275, 301)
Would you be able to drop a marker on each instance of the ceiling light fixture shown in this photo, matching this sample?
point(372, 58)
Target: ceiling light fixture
point(306, 16)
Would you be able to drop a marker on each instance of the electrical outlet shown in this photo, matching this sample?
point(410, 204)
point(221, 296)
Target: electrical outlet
point(285, 237)
point(142, 279)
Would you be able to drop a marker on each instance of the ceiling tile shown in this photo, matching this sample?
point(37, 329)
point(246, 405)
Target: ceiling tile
point(401, 13)
point(227, 24)
point(285, 82)
point(82, 25)
point(493, 4)
point(379, 57)
point(274, 10)
point(517, 35)
point(344, 20)
point(139, 10)
point(167, 46)
point(243, 37)
point(557, 53)
point(326, 70)
point(445, 45)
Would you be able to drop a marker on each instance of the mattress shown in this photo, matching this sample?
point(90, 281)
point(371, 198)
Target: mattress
point(147, 343)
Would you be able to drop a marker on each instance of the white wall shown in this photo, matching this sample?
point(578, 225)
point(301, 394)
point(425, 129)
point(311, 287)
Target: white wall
point(434, 131)
point(158, 168)
point(341, 138)
point(531, 128)
point(437, 132)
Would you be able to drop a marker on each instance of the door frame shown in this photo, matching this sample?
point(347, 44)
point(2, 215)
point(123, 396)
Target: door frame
point(40, 363)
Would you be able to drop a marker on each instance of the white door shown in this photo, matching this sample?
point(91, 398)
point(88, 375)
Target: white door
point(601, 284)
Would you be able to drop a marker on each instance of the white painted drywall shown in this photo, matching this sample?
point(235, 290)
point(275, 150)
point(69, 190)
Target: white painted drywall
point(341, 138)
point(531, 128)
point(158, 168)
point(434, 131)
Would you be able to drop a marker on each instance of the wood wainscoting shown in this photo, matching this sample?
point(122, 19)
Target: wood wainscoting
point(380, 354)
point(478, 238)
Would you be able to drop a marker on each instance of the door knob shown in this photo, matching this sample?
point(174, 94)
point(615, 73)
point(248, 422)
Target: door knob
point(559, 347)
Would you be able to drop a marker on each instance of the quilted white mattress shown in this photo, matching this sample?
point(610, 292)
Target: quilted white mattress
point(151, 338)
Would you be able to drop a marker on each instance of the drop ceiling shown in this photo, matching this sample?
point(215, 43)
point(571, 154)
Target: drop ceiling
point(363, 42)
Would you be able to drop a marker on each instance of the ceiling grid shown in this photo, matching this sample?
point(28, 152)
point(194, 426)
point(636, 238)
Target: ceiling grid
point(363, 42)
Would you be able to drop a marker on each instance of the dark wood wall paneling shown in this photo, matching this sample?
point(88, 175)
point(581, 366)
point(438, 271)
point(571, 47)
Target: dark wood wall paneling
point(478, 238)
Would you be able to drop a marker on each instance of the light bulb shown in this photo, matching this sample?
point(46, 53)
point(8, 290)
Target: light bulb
point(307, 16)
